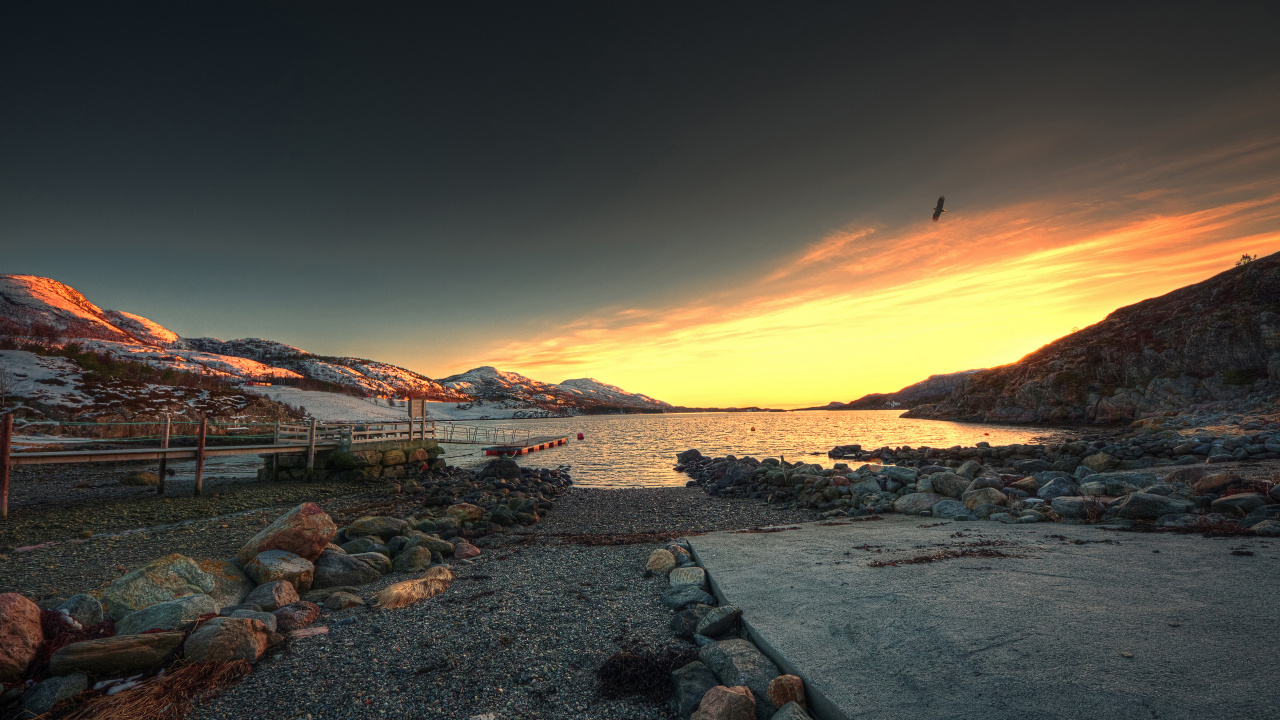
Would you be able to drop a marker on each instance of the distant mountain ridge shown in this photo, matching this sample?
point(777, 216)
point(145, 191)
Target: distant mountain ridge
point(45, 310)
point(931, 389)
point(1217, 341)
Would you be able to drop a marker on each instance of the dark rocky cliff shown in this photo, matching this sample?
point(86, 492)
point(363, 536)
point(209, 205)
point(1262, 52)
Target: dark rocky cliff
point(1215, 341)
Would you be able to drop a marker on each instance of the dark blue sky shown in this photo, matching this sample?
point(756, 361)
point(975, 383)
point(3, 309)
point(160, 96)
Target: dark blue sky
point(416, 183)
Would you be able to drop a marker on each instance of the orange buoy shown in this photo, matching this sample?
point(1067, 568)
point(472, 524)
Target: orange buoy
point(582, 436)
point(753, 428)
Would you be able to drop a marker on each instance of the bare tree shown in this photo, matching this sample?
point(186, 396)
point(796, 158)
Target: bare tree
point(7, 384)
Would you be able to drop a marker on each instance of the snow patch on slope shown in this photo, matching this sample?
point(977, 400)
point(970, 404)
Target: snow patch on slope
point(604, 392)
point(145, 330)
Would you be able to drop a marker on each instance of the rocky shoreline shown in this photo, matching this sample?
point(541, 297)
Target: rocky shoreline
point(1150, 475)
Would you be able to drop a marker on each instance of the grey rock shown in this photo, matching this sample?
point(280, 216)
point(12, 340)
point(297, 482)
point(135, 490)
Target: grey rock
point(228, 609)
point(691, 576)
point(916, 503)
point(1267, 528)
point(690, 683)
point(969, 469)
point(273, 595)
point(1083, 472)
point(1075, 506)
point(950, 509)
point(1056, 488)
point(900, 474)
point(948, 484)
point(685, 623)
point(1259, 514)
point(166, 615)
point(84, 609)
point(702, 640)
point(677, 598)
point(1147, 506)
point(333, 569)
point(738, 662)
point(1003, 517)
point(41, 698)
point(412, 560)
point(1238, 505)
point(718, 621)
point(230, 583)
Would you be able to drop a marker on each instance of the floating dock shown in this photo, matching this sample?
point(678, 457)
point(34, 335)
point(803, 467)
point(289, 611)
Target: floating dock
point(533, 444)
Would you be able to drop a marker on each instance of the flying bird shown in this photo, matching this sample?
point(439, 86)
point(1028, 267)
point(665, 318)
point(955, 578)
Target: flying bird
point(938, 210)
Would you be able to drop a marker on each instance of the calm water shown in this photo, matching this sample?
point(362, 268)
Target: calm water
point(640, 450)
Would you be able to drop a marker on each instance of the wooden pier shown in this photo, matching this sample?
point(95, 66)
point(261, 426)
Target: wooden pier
point(532, 444)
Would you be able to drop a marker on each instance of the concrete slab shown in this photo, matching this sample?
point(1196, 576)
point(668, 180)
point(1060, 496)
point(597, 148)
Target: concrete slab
point(1137, 626)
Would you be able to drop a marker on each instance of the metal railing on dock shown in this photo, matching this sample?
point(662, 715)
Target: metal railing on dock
point(284, 437)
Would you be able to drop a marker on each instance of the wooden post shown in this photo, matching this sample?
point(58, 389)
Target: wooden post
point(6, 447)
point(275, 457)
point(204, 427)
point(164, 459)
point(311, 449)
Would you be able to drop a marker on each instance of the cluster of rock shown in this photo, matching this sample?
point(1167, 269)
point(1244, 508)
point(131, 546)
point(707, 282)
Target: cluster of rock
point(731, 679)
point(280, 582)
point(1072, 482)
point(360, 465)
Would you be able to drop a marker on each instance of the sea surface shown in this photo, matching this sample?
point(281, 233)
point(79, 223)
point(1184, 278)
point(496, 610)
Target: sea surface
point(640, 450)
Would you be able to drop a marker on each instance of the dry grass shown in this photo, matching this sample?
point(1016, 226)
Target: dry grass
point(403, 594)
point(639, 672)
point(165, 698)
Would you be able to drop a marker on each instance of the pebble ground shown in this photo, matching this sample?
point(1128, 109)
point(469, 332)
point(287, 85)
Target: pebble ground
point(520, 633)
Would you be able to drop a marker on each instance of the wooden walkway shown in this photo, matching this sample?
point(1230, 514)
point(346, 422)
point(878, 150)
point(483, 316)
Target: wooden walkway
point(532, 444)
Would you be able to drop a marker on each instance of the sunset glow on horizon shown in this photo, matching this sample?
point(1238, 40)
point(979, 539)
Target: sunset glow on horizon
point(873, 309)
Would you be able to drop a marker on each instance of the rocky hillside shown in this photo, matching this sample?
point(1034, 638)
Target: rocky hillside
point(1212, 344)
point(38, 312)
point(931, 389)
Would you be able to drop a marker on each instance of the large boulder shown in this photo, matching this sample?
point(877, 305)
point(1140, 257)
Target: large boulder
point(230, 584)
point(688, 456)
point(224, 639)
point(727, 703)
point(1215, 483)
point(21, 634)
point(430, 542)
point(738, 662)
point(983, 496)
point(334, 569)
point(167, 615)
point(303, 531)
point(273, 595)
point(916, 503)
point(948, 484)
point(692, 575)
point(718, 621)
point(384, 527)
point(685, 623)
point(116, 655)
point(1076, 507)
point(690, 683)
point(1101, 462)
point(412, 560)
point(949, 509)
point(1148, 506)
point(275, 565)
point(791, 711)
point(168, 578)
point(1238, 505)
point(1057, 488)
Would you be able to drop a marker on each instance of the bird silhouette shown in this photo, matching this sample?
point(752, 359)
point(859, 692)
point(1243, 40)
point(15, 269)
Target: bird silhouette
point(938, 210)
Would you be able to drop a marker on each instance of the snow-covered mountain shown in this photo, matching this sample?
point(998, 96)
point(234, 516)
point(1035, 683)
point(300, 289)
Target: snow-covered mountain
point(43, 311)
point(590, 388)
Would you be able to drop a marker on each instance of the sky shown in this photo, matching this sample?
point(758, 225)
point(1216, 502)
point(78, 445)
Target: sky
point(712, 204)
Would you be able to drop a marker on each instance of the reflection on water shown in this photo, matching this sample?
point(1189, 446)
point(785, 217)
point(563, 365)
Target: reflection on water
point(639, 450)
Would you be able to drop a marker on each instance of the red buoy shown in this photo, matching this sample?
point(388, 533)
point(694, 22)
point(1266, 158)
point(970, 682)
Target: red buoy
point(581, 436)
